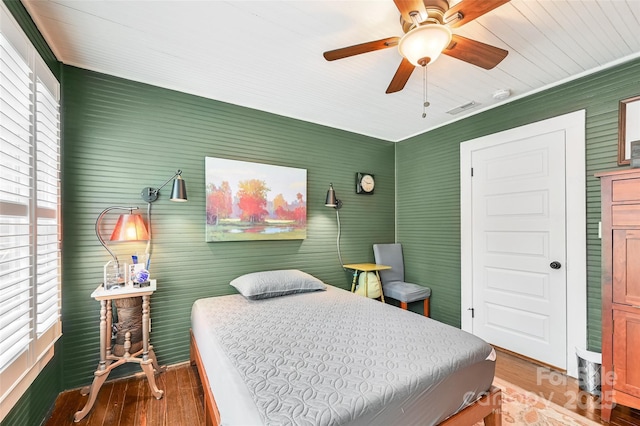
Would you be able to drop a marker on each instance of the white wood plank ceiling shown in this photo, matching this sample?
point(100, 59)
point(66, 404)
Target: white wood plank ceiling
point(267, 55)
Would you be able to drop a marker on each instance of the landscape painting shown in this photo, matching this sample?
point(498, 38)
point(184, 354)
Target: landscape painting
point(253, 201)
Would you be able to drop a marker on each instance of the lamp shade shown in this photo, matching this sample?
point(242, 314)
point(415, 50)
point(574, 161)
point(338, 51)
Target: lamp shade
point(424, 44)
point(331, 200)
point(130, 227)
point(179, 190)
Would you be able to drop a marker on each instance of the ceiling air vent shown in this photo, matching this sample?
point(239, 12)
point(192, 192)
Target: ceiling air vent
point(468, 105)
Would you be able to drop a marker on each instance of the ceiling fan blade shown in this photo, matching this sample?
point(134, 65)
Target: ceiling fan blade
point(407, 6)
point(470, 10)
point(401, 77)
point(357, 49)
point(475, 52)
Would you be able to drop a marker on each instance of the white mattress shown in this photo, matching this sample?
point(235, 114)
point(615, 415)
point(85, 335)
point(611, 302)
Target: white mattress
point(334, 358)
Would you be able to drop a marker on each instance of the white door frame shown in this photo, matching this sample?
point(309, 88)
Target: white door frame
point(573, 124)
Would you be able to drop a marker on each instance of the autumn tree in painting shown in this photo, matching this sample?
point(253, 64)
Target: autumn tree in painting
point(283, 210)
point(279, 204)
point(252, 200)
point(300, 213)
point(219, 202)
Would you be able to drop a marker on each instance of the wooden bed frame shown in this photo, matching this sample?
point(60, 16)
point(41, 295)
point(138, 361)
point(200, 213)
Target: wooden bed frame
point(487, 408)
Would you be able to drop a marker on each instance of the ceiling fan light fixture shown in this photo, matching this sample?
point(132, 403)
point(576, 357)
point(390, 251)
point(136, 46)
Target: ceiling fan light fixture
point(422, 45)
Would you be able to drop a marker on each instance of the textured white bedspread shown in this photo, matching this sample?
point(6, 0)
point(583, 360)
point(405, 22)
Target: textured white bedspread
point(334, 358)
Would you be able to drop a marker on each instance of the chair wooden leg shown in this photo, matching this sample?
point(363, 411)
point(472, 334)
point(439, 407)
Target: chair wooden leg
point(427, 312)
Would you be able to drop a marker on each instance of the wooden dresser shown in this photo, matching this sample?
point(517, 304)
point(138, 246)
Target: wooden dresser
point(620, 289)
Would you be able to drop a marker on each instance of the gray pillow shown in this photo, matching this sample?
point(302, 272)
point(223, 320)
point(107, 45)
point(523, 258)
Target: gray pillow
point(266, 284)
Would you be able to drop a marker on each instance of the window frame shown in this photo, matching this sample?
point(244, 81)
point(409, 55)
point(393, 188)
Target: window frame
point(44, 202)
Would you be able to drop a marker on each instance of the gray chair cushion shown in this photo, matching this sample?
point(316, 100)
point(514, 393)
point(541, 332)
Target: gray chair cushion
point(405, 292)
point(393, 284)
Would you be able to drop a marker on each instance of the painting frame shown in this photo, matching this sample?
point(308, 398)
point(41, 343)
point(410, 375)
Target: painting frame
point(628, 128)
point(249, 201)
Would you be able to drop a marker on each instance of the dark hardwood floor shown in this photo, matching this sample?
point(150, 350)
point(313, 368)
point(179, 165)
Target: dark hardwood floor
point(129, 402)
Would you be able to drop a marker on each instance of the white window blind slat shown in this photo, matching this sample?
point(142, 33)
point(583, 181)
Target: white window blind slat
point(47, 314)
point(48, 279)
point(15, 273)
point(13, 90)
point(15, 184)
point(46, 155)
point(16, 258)
point(15, 120)
point(17, 156)
point(9, 137)
point(15, 345)
point(17, 319)
point(14, 153)
point(13, 59)
point(52, 318)
point(47, 257)
point(13, 296)
point(47, 292)
point(11, 282)
point(16, 241)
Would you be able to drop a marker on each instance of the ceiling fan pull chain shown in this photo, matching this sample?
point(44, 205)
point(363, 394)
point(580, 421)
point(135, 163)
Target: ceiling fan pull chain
point(424, 91)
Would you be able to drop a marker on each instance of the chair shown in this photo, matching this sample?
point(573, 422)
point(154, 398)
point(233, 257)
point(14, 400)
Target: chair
point(393, 284)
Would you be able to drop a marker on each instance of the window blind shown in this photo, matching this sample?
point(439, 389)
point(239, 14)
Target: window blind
point(15, 266)
point(29, 213)
point(47, 201)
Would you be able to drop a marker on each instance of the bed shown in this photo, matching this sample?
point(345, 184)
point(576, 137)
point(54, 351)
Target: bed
point(320, 355)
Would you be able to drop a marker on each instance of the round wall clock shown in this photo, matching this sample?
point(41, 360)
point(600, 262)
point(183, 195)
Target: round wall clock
point(365, 183)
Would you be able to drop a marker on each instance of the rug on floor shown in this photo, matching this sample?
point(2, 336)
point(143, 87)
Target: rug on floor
point(521, 407)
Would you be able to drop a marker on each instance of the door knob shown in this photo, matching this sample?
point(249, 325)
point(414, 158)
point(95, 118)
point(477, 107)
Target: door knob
point(555, 265)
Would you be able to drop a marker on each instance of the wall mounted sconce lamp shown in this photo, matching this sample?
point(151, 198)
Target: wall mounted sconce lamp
point(129, 227)
point(178, 192)
point(332, 200)
point(148, 194)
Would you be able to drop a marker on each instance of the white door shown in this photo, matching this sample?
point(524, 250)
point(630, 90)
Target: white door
point(512, 227)
point(519, 283)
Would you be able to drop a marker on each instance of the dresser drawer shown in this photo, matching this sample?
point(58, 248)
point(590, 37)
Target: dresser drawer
point(625, 215)
point(625, 190)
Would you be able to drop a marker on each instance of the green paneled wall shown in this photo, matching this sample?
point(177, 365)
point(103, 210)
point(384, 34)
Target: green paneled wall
point(428, 193)
point(121, 136)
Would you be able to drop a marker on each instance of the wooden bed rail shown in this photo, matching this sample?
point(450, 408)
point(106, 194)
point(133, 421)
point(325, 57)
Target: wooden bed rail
point(487, 408)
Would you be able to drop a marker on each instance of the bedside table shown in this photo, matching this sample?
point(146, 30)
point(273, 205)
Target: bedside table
point(146, 357)
point(366, 267)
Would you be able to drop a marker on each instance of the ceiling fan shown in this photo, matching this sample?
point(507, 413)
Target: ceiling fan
point(427, 26)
